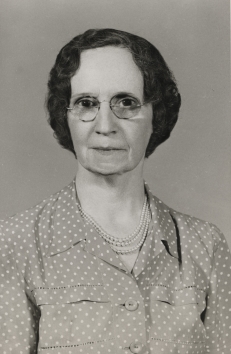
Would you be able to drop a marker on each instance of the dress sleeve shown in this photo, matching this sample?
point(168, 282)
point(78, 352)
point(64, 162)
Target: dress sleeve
point(218, 313)
point(19, 316)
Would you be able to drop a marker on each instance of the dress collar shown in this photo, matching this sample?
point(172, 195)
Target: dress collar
point(69, 228)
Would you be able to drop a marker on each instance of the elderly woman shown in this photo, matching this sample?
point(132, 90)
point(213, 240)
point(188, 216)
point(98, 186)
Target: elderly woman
point(103, 266)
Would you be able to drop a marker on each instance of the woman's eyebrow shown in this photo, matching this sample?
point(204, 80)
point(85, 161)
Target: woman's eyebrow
point(83, 94)
point(124, 93)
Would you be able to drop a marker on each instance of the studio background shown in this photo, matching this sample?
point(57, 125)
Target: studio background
point(191, 171)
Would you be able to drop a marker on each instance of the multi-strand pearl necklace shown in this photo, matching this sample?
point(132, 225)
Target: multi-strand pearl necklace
point(139, 244)
point(139, 233)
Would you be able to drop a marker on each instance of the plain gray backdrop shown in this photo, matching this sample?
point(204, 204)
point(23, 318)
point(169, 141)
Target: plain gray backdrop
point(191, 171)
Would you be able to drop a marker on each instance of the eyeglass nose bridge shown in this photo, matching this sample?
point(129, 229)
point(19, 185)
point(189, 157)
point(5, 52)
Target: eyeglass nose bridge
point(99, 105)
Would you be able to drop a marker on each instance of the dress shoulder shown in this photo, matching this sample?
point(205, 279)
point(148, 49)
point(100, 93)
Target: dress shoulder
point(21, 229)
point(206, 231)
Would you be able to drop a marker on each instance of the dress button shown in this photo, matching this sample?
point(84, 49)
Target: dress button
point(136, 347)
point(131, 305)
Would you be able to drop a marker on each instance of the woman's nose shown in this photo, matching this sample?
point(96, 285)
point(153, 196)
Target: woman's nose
point(105, 121)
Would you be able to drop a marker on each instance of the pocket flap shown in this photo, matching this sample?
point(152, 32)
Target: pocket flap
point(178, 297)
point(70, 294)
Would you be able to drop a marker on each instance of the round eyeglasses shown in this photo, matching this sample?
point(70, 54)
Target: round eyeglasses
point(86, 108)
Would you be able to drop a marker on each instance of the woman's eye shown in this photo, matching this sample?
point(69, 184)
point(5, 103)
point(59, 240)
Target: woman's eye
point(127, 102)
point(86, 103)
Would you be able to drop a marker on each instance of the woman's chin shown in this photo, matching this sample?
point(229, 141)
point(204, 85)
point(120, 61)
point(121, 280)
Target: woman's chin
point(106, 169)
point(106, 163)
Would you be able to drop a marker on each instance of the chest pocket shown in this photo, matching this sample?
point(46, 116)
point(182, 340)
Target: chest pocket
point(73, 317)
point(176, 314)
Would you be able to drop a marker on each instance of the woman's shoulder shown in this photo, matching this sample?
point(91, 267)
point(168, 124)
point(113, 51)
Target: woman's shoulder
point(191, 229)
point(206, 230)
point(40, 216)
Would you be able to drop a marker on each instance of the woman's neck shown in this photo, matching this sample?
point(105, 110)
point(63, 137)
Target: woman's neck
point(115, 202)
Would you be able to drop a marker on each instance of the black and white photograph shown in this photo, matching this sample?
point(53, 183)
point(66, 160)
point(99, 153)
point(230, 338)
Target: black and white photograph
point(115, 177)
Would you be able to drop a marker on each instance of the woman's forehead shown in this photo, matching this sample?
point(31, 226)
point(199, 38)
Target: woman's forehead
point(107, 69)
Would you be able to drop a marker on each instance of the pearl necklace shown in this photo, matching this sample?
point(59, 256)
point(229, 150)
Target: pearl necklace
point(116, 241)
point(138, 245)
point(113, 241)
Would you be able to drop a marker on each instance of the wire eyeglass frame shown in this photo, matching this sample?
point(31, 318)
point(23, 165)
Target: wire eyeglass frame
point(131, 112)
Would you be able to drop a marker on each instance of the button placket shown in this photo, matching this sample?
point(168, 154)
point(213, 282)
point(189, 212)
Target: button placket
point(129, 310)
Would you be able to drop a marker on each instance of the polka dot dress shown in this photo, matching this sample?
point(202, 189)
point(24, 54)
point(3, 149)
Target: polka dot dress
point(63, 290)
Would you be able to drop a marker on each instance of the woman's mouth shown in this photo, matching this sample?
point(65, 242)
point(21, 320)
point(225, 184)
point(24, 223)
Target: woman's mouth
point(108, 150)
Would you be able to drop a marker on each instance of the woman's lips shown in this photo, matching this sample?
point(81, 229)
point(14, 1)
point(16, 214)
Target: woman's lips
point(108, 150)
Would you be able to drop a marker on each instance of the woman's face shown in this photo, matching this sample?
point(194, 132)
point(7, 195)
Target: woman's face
point(109, 145)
